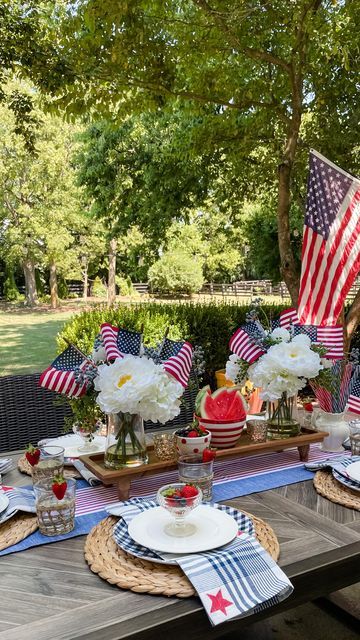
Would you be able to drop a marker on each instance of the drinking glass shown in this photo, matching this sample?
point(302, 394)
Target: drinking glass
point(354, 426)
point(192, 470)
point(51, 463)
point(55, 517)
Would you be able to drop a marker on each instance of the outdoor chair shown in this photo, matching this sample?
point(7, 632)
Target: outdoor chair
point(29, 413)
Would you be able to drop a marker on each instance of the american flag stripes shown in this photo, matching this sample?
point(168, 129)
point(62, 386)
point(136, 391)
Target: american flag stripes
point(119, 341)
point(332, 338)
point(243, 343)
point(60, 376)
point(353, 403)
point(288, 317)
point(177, 359)
point(331, 242)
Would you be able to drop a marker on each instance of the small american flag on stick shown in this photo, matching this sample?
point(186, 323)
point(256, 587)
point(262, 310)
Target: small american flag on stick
point(331, 242)
point(177, 359)
point(117, 341)
point(243, 345)
point(60, 376)
point(353, 403)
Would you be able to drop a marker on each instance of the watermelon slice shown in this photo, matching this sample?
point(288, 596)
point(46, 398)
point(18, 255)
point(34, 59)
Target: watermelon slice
point(201, 393)
point(224, 405)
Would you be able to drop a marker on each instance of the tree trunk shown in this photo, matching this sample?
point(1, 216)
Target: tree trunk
point(85, 274)
point(352, 321)
point(53, 286)
point(30, 282)
point(288, 267)
point(112, 272)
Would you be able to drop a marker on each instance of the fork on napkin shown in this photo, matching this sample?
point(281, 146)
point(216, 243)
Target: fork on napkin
point(236, 580)
point(19, 500)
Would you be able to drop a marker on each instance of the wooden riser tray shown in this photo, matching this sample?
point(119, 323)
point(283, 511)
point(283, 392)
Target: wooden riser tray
point(244, 447)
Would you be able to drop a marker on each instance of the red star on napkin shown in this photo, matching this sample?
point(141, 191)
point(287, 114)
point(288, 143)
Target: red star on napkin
point(218, 602)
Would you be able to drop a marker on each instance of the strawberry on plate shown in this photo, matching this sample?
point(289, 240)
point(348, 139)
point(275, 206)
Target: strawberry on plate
point(32, 455)
point(59, 486)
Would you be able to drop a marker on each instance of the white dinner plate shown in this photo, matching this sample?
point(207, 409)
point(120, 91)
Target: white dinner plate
point(72, 444)
point(214, 528)
point(353, 471)
point(4, 501)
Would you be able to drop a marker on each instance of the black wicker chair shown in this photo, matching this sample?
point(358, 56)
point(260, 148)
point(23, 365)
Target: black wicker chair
point(29, 413)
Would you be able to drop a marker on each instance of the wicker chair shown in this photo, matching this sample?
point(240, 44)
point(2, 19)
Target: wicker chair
point(28, 412)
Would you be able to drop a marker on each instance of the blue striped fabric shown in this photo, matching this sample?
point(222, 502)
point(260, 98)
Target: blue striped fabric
point(19, 500)
point(6, 464)
point(338, 467)
point(236, 580)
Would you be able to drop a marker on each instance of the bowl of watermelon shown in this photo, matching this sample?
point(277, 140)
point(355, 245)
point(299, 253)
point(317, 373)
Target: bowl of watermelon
point(223, 413)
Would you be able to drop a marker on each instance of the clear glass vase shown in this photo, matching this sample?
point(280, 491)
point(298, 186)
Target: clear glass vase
point(125, 441)
point(282, 418)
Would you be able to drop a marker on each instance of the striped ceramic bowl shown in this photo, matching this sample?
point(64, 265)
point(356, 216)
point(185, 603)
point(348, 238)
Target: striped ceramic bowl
point(223, 434)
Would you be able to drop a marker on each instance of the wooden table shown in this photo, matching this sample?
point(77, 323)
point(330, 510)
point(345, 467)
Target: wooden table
point(49, 593)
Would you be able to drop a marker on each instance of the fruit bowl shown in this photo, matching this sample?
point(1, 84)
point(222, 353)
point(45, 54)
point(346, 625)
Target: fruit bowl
point(224, 434)
point(187, 445)
point(179, 499)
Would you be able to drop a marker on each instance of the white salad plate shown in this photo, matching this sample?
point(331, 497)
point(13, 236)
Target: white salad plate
point(353, 471)
point(73, 443)
point(214, 528)
point(4, 501)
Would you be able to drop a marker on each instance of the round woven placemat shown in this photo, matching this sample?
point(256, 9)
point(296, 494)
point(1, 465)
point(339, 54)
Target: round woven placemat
point(328, 487)
point(118, 567)
point(16, 529)
point(25, 467)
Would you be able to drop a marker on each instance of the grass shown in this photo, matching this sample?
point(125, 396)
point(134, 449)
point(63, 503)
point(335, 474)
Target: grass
point(28, 338)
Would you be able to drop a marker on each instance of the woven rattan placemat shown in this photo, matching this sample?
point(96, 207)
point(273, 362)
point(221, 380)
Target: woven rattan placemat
point(16, 529)
point(118, 567)
point(328, 487)
point(25, 467)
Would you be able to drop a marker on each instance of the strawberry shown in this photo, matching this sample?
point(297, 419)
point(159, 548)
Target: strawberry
point(308, 406)
point(189, 491)
point(193, 434)
point(59, 486)
point(208, 455)
point(32, 455)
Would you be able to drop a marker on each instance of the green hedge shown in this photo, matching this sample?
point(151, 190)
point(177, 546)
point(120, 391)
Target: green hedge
point(207, 325)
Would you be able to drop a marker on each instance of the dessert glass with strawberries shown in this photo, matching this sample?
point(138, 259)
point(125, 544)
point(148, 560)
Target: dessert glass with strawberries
point(179, 499)
point(55, 505)
point(198, 470)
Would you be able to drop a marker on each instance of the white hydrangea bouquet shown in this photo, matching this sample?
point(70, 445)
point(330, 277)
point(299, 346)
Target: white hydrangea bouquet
point(281, 364)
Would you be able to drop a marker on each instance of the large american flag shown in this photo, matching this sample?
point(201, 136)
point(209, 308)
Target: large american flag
point(119, 341)
point(243, 345)
point(177, 359)
point(331, 242)
point(60, 376)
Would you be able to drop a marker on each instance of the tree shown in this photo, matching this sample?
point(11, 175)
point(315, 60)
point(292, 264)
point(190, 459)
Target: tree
point(39, 201)
point(176, 272)
point(252, 71)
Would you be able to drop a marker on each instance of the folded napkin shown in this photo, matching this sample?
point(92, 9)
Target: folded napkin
point(86, 474)
point(19, 500)
point(236, 580)
point(339, 464)
point(6, 464)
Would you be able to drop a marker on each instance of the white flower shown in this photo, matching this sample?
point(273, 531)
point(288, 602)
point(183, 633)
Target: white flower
point(232, 369)
point(137, 385)
point(326, 364)
point(98, 355)
point(280, 334)
point(285, 367)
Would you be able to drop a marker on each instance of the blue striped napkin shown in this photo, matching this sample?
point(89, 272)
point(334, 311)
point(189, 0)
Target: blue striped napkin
point(338, 467)
point(19, 500)
point(236, 580)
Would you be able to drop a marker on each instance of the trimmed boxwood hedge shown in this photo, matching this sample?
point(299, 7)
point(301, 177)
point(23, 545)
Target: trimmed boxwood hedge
point(209, 325)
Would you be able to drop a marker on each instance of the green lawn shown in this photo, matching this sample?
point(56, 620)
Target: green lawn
point(28, 340)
